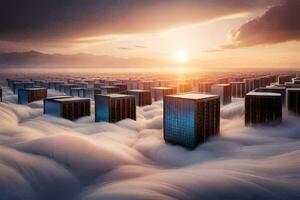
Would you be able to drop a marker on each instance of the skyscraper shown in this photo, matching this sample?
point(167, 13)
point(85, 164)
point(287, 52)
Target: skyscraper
point(293, 100)
point(109, 89)
point(263, 108)
point(274, 89)
point(21, 85)
point(1, 94)
point(282, 79)
point(28, 95)
point(224, 91)
point(142, 97)
point(191, 118)
point(114, 107)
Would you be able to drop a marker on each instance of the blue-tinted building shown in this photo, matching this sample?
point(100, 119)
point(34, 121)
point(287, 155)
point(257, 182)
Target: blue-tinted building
point(114, 107)
point(21, 85)
point(67, 107)
point(29, 95)
point(191, 118)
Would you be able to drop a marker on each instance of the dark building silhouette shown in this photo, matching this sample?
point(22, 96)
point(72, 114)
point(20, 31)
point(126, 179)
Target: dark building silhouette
point(191, 118)
point(263, 108)
point(29, 95)
point(67, 107)
point(114, 107)
point(142, 97)
point(293, 100)
point(204, 87)
point(160, 92)
point(251, 84)
point(1, 94)
point(274, 89)
point(224, 91)
point(238, 89)
point(282, 79)
point(109, 89)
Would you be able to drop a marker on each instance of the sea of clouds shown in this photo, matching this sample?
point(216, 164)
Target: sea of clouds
point(48, 158)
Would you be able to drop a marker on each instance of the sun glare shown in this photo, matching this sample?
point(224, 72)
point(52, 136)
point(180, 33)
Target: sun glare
point(180, 56)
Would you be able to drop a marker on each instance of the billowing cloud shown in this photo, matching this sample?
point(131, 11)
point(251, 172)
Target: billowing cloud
point(43, 157)
point(48, 20)
point(279, 24)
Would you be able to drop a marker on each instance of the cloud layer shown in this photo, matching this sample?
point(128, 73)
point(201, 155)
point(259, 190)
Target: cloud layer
point(56, 20)
point(43, 157)
point(279, 24)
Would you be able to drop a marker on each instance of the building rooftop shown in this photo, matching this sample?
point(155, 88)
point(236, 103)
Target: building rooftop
point(115, 95)
point(35, 88)
point(221, 85)
point(262, 94)
point(71, 99)
point(161, 88)
point(193, 96)
point(108, 87)
point(137, 90)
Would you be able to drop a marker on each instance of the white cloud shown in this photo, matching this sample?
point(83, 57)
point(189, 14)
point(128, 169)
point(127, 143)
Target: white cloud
point(43, 157)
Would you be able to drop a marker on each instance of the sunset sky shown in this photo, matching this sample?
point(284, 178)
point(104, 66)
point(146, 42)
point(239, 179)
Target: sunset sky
point(207, 33)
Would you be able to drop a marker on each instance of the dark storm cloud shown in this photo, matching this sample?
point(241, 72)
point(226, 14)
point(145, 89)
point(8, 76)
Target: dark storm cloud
point(279, 24)
point(36, 20)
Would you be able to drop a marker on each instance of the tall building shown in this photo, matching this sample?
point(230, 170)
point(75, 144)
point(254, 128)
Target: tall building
point(109, 89)
point(296, 80)
point(238, 89)
point(114, 107)
point(191, 118)
point(282, 79)
point(66, 88)
point(263, 108)
point(293, 100)
point(28, 95)
point(1, 93)
point(142, 97)
point(204, 87)
point(67, 107)
point(160, 92)
point(274, 89)
point(224, 91)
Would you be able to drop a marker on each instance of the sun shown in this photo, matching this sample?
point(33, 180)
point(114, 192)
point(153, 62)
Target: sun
point(180, 56)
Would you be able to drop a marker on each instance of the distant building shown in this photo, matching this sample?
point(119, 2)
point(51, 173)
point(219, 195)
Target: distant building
point(29, 95)
point(204, 87)
point(122, 87)
point(91, 92)
point(274, 89)
point(263, 108)
point(224, 91)
point(296, 80)
point(109, 89)
point(160, 92)
point(146, 85)
point(142, 97)
point(251, 84)
point(66, 88)
point(21, 85)
point(67, 107)
point(238, 89)
point(293, 100)
point(114, 107)
point(77, 92)
point(55, 84)
point(184, 87)
point(191, 118)
point(282, 79)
